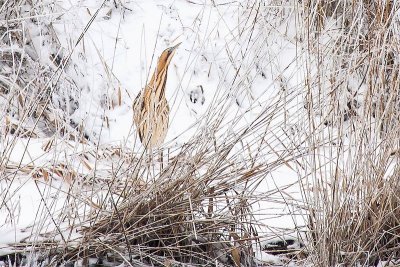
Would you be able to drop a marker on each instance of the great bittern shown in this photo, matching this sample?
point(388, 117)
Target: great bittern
point(150, 108)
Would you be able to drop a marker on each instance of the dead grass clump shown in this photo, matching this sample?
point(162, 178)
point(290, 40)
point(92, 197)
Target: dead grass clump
point(195, 208)
point(353, 200)
point(362, 229)
point(189, 214)
point(377, 226)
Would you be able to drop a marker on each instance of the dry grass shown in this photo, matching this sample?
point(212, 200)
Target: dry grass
point(353, 202)
point(198, 206)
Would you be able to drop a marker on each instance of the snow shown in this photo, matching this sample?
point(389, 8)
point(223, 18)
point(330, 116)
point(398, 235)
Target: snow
point(112, 63)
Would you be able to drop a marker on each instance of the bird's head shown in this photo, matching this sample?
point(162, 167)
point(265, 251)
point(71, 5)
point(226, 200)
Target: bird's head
point(166, 57)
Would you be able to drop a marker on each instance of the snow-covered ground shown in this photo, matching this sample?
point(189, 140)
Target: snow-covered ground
point(240, 57)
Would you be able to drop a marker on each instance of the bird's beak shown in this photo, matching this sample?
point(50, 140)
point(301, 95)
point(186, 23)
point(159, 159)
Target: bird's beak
point(172, 49)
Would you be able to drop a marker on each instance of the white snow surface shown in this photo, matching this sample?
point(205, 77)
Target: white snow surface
point(224, 48)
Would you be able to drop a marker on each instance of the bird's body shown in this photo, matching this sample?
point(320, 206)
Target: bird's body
point(150, 108)
point(151, 116)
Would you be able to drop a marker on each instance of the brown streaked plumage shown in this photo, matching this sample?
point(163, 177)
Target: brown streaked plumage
point(150, 108)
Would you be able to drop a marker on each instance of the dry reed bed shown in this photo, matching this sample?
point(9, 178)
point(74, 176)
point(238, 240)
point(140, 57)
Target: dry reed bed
point(197, 208)
point(354, 204)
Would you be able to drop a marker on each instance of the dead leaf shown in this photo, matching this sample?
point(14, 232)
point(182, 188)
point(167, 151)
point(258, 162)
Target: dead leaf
point(236, 256)
point(119, 96)
point(45, 175)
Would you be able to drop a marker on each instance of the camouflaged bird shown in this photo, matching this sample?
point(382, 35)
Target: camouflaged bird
point(150, 108)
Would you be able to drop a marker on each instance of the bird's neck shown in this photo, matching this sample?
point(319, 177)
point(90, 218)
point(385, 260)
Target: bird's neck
point(158, 82)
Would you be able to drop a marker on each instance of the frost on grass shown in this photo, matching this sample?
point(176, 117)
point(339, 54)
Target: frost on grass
point(38, 93)
point(353, 106)
point(279, 108)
